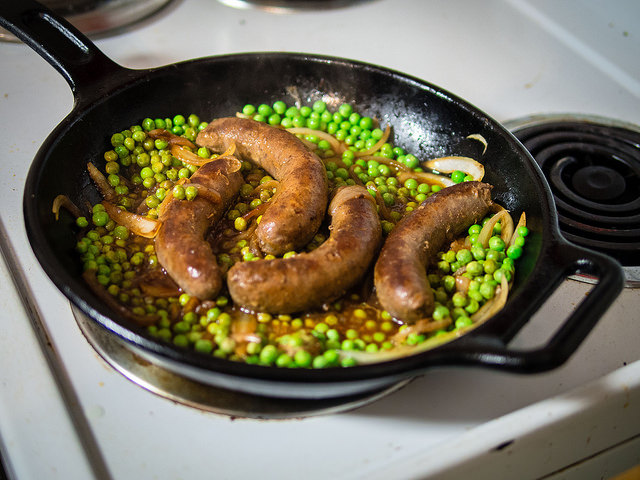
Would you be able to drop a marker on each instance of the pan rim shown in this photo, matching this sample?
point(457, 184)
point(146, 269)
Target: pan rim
point(405, 366)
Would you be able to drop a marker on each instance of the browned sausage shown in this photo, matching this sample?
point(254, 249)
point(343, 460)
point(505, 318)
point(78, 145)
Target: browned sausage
point(400, 276)
point(296, 211)
point(307, 280)
point(181, 243)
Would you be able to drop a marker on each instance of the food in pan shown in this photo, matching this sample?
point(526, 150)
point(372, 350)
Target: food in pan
point(293, 236)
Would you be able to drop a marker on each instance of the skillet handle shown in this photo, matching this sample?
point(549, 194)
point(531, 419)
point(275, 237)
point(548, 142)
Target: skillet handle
point(485, 351)
point(69, 51)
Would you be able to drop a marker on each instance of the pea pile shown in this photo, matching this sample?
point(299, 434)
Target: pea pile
point(141, 171)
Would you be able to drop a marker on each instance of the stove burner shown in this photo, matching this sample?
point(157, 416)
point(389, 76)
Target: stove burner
point(100, 18)
point(593, 168)
point(156, 379)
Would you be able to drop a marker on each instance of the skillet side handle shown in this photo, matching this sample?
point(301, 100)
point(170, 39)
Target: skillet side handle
point(571, 333)
point(52, 37)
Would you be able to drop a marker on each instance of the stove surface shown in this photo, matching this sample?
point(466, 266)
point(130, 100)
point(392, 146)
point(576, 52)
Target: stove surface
point(65, 413)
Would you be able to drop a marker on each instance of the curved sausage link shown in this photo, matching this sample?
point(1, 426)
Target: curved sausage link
point(181, 244)
point(296, 212)
point(308, 280)
point(400, 276)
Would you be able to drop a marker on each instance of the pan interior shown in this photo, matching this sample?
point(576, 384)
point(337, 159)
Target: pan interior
point(426, 121)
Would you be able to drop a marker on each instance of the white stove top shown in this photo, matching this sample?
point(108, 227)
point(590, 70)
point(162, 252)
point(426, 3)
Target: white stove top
point(509, 58)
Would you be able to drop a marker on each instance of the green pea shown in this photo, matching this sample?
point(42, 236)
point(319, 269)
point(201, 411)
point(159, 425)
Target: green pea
point(274, 119)
point(457, 176)
point(121, 232)
point(449, 283)
point(449, 256)
point(514, 252)
point(472, 307)
point(440, 313)
point(440, 295)
point(178, 192)
point(444, 266)
point(100, 218)
point(475, 268)
point(494, 255)
point(498, 274)
point(477, 251)
point(284, 360)
point(475, 295)
point(269, 354)
point(319, 106)
point(345, 110)
point(302, 358)
point(490, 266)
point(496, 243)
point(411, 161)
point(459, 299)
point(463, 321)
point(463, 256)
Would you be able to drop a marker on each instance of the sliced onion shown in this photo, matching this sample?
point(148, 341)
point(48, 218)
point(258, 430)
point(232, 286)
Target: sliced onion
point(425, 325)
point(426, 177)
point(462, 283)
point(487, 230)
point(266, 185)
point(479, 138)
point(160, 290)
point(336, 146)
point(365, 358)
point(377, 146)
point(106, 190)
point(521, 223)
point(256, 212)
point(171, 138)
point(243, 329)
point(450, 164)
point(64, 201)
point(138, 224)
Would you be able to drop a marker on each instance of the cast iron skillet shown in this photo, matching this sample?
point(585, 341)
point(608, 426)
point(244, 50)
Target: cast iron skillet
point(427, 121)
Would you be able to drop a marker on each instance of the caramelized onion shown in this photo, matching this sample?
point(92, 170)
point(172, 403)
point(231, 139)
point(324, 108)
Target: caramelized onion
point(487, 230)
point(481, 139)
point(426, 177)
point(336, 146)
point(171, 138)
point(451, 164)
point(521, 223)
point(106, 190)
point(64, 201)
point(138, 224)
point(187, 156)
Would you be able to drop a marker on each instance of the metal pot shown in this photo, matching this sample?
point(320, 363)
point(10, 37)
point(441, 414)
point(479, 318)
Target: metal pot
point(428, 121)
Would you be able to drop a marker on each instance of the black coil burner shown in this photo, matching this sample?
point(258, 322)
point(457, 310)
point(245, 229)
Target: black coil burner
point(593, 168)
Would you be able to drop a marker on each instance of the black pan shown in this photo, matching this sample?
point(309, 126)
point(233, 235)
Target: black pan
point(428, 121)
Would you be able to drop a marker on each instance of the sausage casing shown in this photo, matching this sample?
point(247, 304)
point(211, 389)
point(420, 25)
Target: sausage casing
point(308, 280)
point(181, 244)
point(400, 276)
point(297, 210)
